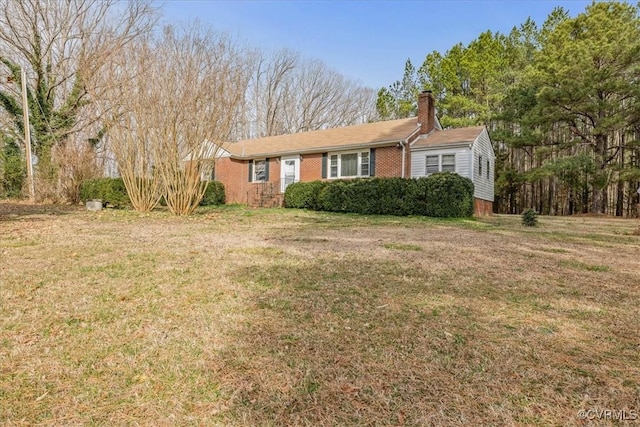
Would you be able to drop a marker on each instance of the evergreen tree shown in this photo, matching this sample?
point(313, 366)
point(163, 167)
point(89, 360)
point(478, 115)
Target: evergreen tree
point(587, 72)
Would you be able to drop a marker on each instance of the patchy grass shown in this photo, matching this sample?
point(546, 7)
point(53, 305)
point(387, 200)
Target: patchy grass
point(402, 246)
point(583, 266)
point(277, 317)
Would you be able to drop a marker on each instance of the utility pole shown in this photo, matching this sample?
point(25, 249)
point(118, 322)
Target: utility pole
point(27, 135)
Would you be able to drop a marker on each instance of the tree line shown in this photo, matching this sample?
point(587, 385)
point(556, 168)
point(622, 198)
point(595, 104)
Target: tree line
point(109, 88)
point(561, 102)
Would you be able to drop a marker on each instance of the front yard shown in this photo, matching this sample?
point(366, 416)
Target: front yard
point(284, 317)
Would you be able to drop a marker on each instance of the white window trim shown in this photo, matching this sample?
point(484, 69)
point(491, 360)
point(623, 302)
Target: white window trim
point(449, 164)
point(455, 162)
point(254, 178)
point(425, 163)
point(339, 154)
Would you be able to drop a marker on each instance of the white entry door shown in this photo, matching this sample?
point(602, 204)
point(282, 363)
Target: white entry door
point(289, 172)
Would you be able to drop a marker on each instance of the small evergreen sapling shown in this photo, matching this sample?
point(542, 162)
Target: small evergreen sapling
point(530, 218)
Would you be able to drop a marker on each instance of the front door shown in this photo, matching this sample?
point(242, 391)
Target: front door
point(289, 172)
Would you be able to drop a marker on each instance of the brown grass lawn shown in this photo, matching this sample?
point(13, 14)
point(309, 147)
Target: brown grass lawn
point(284, 317)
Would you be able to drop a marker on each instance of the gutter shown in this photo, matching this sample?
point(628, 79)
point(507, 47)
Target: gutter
point(243, 156)
point(463, 144)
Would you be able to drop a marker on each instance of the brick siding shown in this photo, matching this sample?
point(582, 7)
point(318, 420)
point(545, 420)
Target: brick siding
point(482, 207)
point(389, 162)
point(234, 174)
point(311, 167)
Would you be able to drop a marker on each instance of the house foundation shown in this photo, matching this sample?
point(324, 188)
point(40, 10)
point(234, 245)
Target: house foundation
point(482, 207)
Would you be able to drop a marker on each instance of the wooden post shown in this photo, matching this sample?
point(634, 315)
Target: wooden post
point(27, 135)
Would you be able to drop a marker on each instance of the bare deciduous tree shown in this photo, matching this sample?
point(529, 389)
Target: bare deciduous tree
point(289, 94)
point(173, 99)
point(324, 98)
point(77, 161)
point(63, 46)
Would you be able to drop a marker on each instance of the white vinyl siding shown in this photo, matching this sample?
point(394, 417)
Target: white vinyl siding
point(483, 167)
point(349, 165)
point(466, 163)
point(425, 162)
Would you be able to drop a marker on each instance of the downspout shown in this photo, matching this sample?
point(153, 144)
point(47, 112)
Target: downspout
point(404, 148)
point(404, 144)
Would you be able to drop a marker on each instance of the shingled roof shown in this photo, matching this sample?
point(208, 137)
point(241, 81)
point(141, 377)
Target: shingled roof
point(350, 137)
point(368, 134)
point(448, 136)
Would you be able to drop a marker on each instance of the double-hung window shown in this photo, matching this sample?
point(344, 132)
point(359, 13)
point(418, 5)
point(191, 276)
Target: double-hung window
point(259, 170)
point(364, 163)
point(440, 163)
point(349, 165)
point(448, 163)
point(432, 165)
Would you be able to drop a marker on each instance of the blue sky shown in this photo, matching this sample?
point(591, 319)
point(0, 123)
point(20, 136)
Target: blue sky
point(367, 41)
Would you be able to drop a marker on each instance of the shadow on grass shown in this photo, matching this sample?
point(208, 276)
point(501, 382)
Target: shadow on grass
point(11, 211)
point(326, 346)
point(347, 341)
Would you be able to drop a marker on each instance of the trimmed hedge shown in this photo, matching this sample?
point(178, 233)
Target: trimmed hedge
point(214, 194)
point(303, 195)
point(444, 195)
point(378, 196)
point(109, 190)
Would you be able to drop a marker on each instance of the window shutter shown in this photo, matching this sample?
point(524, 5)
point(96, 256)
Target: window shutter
point(324, 165)
point(266, 170)
point(251, 171)
point(372, 162)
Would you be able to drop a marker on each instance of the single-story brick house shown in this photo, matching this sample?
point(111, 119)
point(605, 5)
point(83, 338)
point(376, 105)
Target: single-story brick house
point(257, 171)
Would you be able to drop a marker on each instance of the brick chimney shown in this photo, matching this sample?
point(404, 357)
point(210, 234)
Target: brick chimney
point(426, 112)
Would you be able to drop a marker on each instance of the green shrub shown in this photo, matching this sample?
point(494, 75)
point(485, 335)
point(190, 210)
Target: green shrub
point(443, 195)
point(334, 196)
point(439, 195)
point(376, 196)
point(110, 190)
point(530, 218)
point(394, 197)
point(303, 195)
point(12, 170)
point(213, 195)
